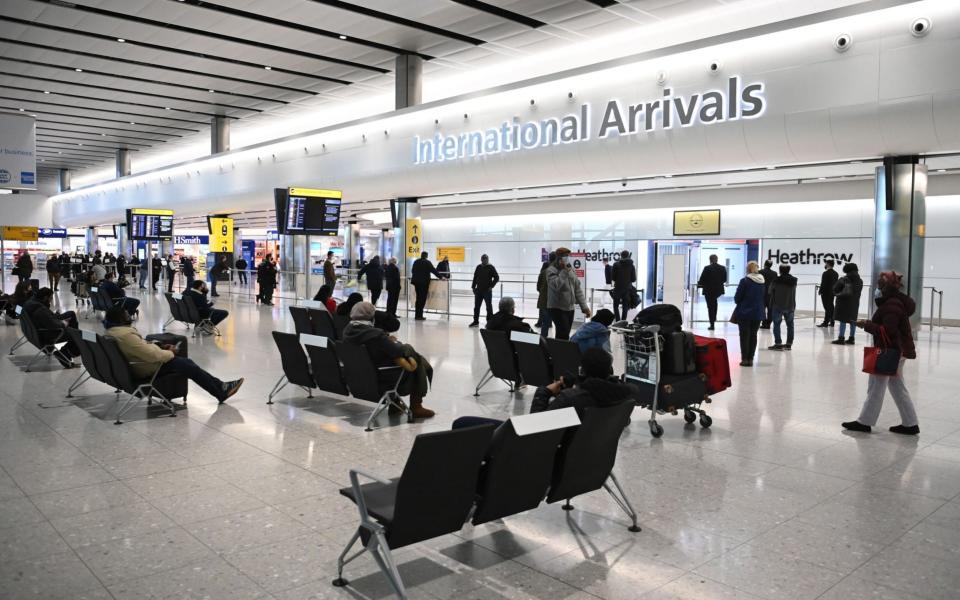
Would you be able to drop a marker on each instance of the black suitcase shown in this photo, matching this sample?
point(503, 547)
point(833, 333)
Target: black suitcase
point(171, 386)
point(170, 338)
point(667, 316)
point(679, 354)
point(676, 392)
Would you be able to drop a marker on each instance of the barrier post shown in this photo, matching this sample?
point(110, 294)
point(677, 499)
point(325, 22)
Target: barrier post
point(816, 296)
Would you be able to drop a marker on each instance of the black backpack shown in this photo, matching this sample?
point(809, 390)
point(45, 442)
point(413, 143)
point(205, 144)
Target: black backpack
point(667, 316)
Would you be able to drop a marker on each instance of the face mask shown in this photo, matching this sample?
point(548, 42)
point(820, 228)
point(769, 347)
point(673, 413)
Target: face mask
point(564, 260)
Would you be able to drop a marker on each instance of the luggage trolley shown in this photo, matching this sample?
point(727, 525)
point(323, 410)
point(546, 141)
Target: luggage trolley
point(642, 345)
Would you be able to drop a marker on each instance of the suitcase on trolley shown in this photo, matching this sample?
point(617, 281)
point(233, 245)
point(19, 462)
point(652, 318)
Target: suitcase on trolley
point(712, 361)
point(678, 355)
point(676, 392)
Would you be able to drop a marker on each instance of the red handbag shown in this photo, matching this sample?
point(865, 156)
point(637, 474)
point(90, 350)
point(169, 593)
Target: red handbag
point(882, 360)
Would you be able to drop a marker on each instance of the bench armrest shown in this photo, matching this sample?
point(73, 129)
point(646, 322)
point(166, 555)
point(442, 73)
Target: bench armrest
point(355, 475)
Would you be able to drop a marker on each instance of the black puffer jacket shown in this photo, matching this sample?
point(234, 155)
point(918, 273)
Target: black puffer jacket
point(588, 393)
point(847, 305)
point(623, 274)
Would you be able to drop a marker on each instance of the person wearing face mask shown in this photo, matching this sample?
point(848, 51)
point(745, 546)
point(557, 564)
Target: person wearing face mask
point(485, 277)
point(890, 327)
point(391, 276)
point(563, 293)
point(198, 295)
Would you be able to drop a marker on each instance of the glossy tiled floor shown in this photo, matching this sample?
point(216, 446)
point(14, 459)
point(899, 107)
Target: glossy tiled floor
point(240, 501)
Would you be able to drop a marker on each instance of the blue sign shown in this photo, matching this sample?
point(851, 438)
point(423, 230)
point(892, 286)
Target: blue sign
point(185, 240)
point(46, 232)
point(273, 235)
point(26, 177)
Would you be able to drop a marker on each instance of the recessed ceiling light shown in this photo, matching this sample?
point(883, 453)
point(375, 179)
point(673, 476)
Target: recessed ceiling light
point(22, 109)
point(132, 123)
point(166, 108)
point(103, 135)
point(343, 37)
point(941, 170)
point(121, 40)
point(771, 168)
point(45, 92)
point(79, 143)
point(211, 91)
point(79, 70)
point(58, 152)
point(668, 176)
point(268, 68)
point(821, 178)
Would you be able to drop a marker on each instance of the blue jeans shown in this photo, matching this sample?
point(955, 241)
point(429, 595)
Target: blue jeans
point(545, 322)
point(843, 328)
point(783, 315)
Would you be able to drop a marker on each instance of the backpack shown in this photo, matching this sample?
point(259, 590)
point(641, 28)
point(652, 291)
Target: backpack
point(667, 316)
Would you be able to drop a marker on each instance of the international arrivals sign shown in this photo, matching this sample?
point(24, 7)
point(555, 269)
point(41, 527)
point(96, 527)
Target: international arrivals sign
point(736, 100)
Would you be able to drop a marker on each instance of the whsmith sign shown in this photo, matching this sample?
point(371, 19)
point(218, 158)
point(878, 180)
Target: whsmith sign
point(737, 101)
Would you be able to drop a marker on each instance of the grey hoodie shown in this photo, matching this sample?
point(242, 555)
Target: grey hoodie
point(563, 288)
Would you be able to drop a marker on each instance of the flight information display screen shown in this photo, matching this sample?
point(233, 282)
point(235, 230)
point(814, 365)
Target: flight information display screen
point(309, 212)
point(149, 224)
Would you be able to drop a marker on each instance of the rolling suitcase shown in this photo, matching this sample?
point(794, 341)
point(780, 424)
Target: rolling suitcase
point(679, 354)
point(676, 392)
point(712, 361)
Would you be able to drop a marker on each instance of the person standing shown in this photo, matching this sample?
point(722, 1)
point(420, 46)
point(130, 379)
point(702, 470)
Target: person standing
point(769, 275)
point(713, 280)
point(847, 310)
point(485, 278)
point(188, 270)
point(544, 322)
point(563, 292)
point(624, 275)
point(374, 272)
point(329, 272)
point(827, 281)
point(53, 272)
point(783, 302)
point(607, 272)
point(121, 269)
point(241, 267)
point(890, 327)
point(156, 266)
point(24, 267)
point(267, 279)
point(391, 274)
point(171, 270)
point(420, 278)
point(749, 311)
point(216, 273)
point(443, 267)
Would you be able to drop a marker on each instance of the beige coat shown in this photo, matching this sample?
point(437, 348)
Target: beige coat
point(148, 357)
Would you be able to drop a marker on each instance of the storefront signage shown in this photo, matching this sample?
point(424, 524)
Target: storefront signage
point(735, 101)
point(696, 222)
point(20, 234)
point(808, 256)
point(456, 254)
point(191, 240)
point(18, 152)
point(46, 232)
point(221, 234)
point(414, 237)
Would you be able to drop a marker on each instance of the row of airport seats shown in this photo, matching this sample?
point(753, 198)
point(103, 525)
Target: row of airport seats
point(526, 358)
point(185, 312)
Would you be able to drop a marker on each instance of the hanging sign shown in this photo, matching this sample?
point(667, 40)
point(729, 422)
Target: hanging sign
point(18, 152)
point(414, 237)
point(48, 232)
point(20, 234)
point(221, 234)
point(456, 254)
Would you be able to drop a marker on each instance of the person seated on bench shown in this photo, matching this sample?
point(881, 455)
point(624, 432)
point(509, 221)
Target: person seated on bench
point(118, 296)
point(505, 319)
point(20, 296)
point(348, 304)
point(596, 333)
point(385, 350)
point(595, 387)
point(198, 295)
point(324, 295)
point(51, 325)
point(149, 357)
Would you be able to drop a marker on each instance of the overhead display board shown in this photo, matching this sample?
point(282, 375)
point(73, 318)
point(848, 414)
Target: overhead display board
point(221, 234)
point(308, 211)
point(18, 152)
point(696, 222)
point(149, 224)
point(20, 234)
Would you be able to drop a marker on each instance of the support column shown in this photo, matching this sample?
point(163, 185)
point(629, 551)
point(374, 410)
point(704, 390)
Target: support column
point(385, 248)
point(123, 243)
point(123, 162)
point(92, 242)
point(350, 240)
point(900, 225)
point(293, 265)
point(63, 180)
point(219, 134)
point(409, 81)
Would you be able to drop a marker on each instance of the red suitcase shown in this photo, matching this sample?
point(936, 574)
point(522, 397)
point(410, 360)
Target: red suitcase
point(712, 361)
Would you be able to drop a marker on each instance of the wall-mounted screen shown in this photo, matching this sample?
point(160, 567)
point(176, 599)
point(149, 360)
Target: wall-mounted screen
point(149, 224)
point(305, 211)
point(696, 222)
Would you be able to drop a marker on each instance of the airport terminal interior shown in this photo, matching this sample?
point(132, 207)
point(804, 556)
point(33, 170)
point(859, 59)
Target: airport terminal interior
point(502, 299)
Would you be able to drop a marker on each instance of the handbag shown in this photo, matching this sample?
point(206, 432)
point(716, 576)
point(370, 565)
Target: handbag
point(882, 360)
point(733, 317)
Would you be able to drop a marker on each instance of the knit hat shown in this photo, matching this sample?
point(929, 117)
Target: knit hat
point(362, 311)
point(604, 316)
point(596, 362)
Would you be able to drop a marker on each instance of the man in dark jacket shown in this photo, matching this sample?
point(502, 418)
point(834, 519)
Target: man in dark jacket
point(712, 281)
point(506, 320)
point(118, 296)
point(391, 276)
point(769, 275)
point(783, 301)
point(24, 267)
point(385, 351)
point(156, 265)
point(216, 272)
point(827, 280)
point(374, 272)
point(847, 292)
point(51, 325)
point(329, 272)
point(485, 277)
point(420, 278)
point(198, 295)
point(607, 272)
point(443, 267)
point(267, 279)
point(188, 270)
point(241, 268)
point(623, 275)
